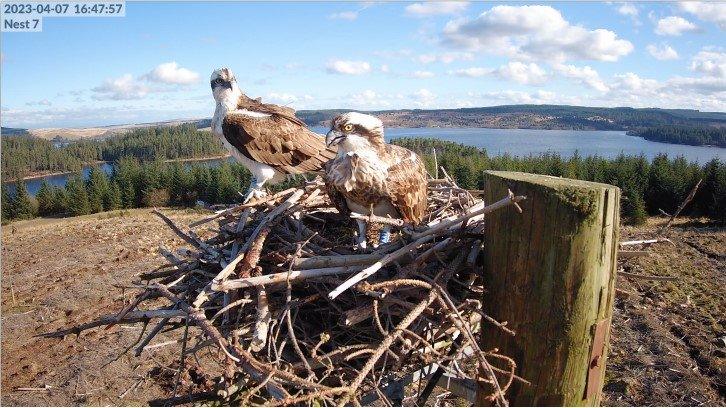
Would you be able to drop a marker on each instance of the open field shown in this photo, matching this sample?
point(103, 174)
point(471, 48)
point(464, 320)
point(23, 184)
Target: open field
point(667, 342)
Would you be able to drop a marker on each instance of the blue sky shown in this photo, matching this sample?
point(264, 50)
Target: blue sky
point(154, 64)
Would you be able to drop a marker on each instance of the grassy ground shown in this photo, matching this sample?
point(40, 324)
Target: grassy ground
point(667, 344)
point(668, 338)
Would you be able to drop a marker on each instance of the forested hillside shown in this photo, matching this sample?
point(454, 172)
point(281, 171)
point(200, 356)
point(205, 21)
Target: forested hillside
point(534, 117)
point(689, 135)
point(22, 155)
point(647, 186)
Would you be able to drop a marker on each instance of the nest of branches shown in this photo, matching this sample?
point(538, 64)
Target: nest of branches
point(296, 315)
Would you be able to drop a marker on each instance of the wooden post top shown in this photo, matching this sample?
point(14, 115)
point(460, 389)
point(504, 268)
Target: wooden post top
point(550, 273)
point(548, 181)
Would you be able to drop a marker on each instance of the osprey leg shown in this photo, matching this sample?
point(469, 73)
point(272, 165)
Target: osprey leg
point(361, 239)
point(256, 189)
point(385, 235)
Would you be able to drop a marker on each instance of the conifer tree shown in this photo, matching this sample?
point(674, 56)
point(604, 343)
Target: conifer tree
point(113, 197)
point(633, 206)
point(201, 177)
point(60, 200)
point(97, 187)
point(177, 184)
point(78, 203)
point(23, 207)
point(213, 187)
point(227, 186)
point(127, 173)
point(6, 203)
point(45, 199)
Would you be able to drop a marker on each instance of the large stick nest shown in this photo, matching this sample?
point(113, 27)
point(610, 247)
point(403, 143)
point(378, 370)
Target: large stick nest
point(296, 315)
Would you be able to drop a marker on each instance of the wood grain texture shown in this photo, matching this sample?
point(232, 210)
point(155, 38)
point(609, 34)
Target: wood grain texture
point(550, 273)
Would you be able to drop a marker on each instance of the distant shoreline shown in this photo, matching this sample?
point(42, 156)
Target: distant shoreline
point(40, 175)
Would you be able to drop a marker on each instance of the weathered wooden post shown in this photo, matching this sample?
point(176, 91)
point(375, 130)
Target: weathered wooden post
point(550, 273)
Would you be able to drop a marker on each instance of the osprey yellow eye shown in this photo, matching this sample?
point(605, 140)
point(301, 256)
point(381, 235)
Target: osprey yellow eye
point(348, 127)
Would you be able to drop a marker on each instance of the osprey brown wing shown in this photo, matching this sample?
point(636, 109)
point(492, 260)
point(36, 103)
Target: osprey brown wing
point(256, 105)
point(407, 183)
point(277, 142)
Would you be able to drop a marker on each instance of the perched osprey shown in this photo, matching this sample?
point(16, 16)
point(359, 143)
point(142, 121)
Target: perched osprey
point(368, 175)
point(267, 139)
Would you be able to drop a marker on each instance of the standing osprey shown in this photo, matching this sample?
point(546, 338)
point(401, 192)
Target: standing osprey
point(368, 175)
point(267, 139)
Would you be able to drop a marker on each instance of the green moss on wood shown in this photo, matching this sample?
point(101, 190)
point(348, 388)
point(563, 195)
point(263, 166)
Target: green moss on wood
point(550, 273)
point(582, 201)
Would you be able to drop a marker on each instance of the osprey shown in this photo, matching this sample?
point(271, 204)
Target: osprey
point(370, 176)
point(267, 139)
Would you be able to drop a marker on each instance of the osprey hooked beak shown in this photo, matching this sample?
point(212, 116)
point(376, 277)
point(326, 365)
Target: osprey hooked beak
point(334, 137)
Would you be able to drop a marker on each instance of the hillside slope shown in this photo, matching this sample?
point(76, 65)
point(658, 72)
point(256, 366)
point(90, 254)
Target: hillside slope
point(504, 117)
point(534, 117)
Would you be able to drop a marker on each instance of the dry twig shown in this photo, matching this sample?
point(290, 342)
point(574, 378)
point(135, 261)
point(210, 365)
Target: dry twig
point(268, 271)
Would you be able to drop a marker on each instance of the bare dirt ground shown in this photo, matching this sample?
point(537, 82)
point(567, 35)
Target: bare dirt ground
point(667, 345)
point(58, 273)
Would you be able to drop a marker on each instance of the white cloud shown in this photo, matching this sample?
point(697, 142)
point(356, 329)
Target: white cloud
point(528, 74)
point(472, 72)
point(367, 99)
point(533, 32)
point(714, 12)
point(98, 115)
point(705, 93)
point(370, 99)
point(674, 25)
point(348, 67)
point(632, 82)
point(42, 102)
point(287, 98)
point(446, 57)
point(631, 11)
point(710, 62)
point(344, 15)
point(519, 97)
point(436, 8)
point(402, 53)
point(368, 94)
point(663, 53)
point(163, 78)
point(293, 66)
point(628, 9)
point(422, 74)
point(172, 73)
point(125, 87)
point(584, 75)
point(701, 86)
point(423, 98)
point(385, 68)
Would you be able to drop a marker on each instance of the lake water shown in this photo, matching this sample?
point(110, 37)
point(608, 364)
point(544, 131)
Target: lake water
point(523, 142)
point(519, 142)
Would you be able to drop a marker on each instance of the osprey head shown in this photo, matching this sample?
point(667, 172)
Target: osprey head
point(351, 130)
point(223, 83)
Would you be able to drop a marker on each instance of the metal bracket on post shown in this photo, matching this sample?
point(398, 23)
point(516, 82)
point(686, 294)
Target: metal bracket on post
point(596, 361)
